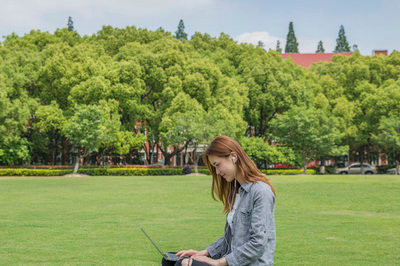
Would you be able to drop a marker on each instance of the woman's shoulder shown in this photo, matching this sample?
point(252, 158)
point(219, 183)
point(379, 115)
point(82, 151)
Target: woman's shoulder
point(261, 187)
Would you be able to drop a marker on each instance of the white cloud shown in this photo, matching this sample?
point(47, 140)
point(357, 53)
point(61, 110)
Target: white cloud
point(254, 37)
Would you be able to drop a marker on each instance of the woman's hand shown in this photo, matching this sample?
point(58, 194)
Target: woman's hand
point(208, 260)
point(191, 252)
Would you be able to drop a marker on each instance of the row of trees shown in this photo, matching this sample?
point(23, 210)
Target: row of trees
point(292, 46)
point(63, 95)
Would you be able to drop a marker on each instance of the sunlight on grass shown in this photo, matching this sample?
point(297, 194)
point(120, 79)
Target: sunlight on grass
point(334, 220)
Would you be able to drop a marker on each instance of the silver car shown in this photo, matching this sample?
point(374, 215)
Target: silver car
point(392, 171)
point(355, 168)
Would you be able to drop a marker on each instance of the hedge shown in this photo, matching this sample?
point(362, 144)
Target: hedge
point(33, 172)
point(128, 171)
point(287, 171)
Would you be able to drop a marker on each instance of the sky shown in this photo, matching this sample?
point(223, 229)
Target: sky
point(370, 24)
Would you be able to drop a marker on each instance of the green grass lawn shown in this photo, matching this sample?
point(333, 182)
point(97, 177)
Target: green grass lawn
point(321, 220)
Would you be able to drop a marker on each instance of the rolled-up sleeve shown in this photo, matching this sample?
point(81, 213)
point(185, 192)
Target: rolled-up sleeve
point(217, 249)
point(261, 229)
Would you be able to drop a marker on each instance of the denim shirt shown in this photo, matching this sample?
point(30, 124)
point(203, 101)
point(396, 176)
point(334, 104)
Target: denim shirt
point(251, 240)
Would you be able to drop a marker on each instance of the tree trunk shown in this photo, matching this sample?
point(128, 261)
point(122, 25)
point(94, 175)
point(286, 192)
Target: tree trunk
point(305, 166)
point(168, 156)
point(322, 167)
point(78, 158)
point(362, 160)
point(195, 160)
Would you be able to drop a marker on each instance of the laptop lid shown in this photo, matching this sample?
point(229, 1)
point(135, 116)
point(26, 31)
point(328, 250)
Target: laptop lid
point(164, 255)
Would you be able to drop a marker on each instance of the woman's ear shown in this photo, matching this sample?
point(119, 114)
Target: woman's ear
point(233, 158)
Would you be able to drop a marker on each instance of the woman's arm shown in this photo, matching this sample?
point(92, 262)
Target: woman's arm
point(218, 248)
point(218, 262)
point(191, 252)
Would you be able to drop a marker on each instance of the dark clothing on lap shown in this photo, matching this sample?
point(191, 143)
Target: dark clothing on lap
point(179, 263)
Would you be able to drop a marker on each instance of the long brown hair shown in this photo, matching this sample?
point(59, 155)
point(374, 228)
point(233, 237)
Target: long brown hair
point(223, 146)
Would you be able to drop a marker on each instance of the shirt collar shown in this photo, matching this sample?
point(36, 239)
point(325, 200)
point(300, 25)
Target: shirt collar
point(246, 186)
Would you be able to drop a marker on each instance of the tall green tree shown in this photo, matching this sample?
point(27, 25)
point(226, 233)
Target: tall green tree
point(388, 137)
point(180, 34)
point(341, 42)
point(70, 24)
point(273, 86)
point(50, 120)
point(320, 48)
point(278, 46)
point(95, 126)
point(309, 132)
point(291, 42)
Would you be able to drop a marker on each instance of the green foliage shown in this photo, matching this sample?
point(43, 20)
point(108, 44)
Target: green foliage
point(388, 135)
point(178, 92)
point(291, 42)
point(341, 42)
point(263, 153)
point(309, 132)
point(278, 47)
point(86, 128)
point(287, 171)
point(32, 172)
point(49, 117)
point(14, 115)
point(130, 171)
point(127, 171)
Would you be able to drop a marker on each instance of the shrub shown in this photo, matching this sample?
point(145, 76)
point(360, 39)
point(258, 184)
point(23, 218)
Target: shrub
point(287, 171)
point(33, 172)
point(128, 171)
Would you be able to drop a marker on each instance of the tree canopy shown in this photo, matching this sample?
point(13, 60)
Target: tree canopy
point(130, 86)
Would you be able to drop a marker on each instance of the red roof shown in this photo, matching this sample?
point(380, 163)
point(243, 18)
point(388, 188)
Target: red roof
point(306, 60)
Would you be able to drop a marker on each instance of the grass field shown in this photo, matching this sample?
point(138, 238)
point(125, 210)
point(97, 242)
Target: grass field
point(321, 220)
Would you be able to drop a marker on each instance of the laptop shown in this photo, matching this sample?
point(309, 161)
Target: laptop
point(170, 256)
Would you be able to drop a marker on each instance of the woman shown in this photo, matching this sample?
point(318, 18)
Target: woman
point(249, 201)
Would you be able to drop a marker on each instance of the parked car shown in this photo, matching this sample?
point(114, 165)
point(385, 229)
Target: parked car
point(355, 168)
point(392, 171)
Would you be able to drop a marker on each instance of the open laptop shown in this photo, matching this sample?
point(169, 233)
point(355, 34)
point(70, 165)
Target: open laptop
point(168, 256)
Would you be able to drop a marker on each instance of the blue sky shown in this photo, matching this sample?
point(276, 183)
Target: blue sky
point(369, 24)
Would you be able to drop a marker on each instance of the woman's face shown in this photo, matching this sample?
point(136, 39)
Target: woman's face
point(224, 166)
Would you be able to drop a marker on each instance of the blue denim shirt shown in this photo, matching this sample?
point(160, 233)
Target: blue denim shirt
point(251, 240)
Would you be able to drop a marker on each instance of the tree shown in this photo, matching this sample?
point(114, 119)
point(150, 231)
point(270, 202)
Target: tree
point(94, 126)
point(388, 137)
point(264, 154)
point(49, 119)
point(341, 42)
point(70, 24)
point(291, 42)
point(309, 132)
point(260, 44)
point(180, 33)
point(273, 87)
point(15, 111)
point(85, 130)
point(278, 46)
point(320, 48)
